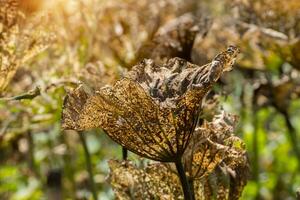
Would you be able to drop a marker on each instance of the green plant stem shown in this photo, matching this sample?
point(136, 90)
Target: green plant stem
point(255, 153)
point(28, 95)
point(88, 165)
point(31, 159)
point(184, 181)
point(69, 167)
point(293, 136)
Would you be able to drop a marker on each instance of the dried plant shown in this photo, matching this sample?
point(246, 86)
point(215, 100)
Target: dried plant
point(153, 111)
point(163, 108)
point(281, 93)
point(216, 161)
point(175, 39)
point(209, 146)
point(9, 13)
point(223, 177)
point(19, 41)
point(155, 181)
point(272, 14)
point(159, 105)
point(8, 33)
point(95, 75)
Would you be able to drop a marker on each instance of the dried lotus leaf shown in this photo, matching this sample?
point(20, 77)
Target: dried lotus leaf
point(151, 118)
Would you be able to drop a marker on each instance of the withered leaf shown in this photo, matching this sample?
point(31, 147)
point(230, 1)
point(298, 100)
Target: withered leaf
point(208, 146)
point(285, 17)
point(218, 175)
point(217, 159)
point(95, 75)
point(152, 182)
point(175, 39)
point(277, 94)
point(169, 82)
point(237, 166)
point(72, 107)
point(154, 110)
point(18, 43)
point(130, 117)
point(203, 157)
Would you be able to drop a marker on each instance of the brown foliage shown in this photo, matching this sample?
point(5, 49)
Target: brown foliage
point(215, 161)
point(152, 112)
point(175, 39)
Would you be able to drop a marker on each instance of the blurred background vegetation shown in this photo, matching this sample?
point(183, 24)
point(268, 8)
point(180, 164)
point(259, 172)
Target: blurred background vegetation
point(48, 47)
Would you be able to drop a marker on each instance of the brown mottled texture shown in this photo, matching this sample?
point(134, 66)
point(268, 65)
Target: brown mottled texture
point(167, 83)
point(72, 107)
point(18, 41)
point(207, 190)
point(209, 146)
point(214, 153)
point(278, 94)
point(222, 187)
point(8, 33)
point(285, 17)
point(237, 166)
point(95, 75)
point(203, 156)
point(153, 182)
point(153, 111)
point(215, 175)
point(175, 39)
point(8, 13)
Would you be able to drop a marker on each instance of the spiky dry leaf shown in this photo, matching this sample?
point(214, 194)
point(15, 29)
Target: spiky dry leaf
point(154, 181)
point(153, 112)
point(128, 24)
point(235, 166)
